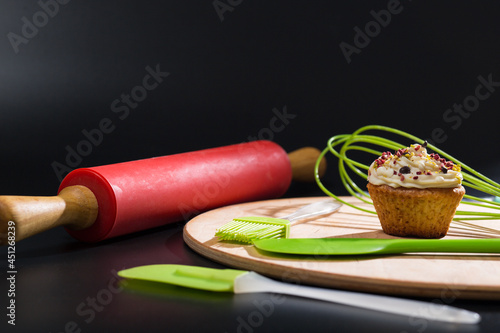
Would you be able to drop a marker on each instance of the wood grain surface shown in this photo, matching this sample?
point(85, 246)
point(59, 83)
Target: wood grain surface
point(443, 277)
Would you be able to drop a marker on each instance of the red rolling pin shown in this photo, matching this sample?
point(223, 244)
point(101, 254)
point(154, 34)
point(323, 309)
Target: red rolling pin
point(107, 201)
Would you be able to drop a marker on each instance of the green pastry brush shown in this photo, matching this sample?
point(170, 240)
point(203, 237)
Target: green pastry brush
point(246, 229)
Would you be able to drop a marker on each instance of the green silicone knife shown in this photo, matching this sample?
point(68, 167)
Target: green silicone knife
point(237, 281)
point(359, 246)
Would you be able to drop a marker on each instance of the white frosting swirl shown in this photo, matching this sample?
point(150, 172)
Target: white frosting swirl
point(413, 167)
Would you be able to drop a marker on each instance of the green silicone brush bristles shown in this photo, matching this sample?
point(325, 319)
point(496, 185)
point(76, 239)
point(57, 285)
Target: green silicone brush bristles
point(245, 229)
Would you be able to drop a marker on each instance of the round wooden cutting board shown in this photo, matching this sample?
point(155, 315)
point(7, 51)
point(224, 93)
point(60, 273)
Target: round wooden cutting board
point(443, 277)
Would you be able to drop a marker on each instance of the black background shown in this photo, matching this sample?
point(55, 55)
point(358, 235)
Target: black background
point(226, 77)
point(227, 73)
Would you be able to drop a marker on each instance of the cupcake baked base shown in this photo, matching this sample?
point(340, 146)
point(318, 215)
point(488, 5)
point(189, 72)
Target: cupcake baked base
point(411, 212)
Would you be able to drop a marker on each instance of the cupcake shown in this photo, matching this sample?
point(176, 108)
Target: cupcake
point(415, 194)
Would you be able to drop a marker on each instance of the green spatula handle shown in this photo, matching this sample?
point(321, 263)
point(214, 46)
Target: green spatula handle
point(489, 245)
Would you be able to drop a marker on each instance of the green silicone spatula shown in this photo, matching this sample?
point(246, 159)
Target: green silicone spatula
point(237, 281)
point(359, 246)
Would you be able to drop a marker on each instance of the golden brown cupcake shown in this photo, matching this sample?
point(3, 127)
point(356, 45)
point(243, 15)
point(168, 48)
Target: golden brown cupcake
point(415, 194)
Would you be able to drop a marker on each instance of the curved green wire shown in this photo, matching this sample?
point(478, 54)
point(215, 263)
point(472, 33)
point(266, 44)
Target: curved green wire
point(354, 142)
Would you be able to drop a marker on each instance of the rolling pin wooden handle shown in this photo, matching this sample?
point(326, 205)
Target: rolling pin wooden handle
point(75, 207)
point(303, 162)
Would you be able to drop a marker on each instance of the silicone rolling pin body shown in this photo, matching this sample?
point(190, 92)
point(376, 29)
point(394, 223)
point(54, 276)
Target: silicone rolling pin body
point(112, 200)
point(143, 194)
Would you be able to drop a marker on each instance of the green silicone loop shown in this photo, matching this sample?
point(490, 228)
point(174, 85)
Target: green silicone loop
point(356, 141)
